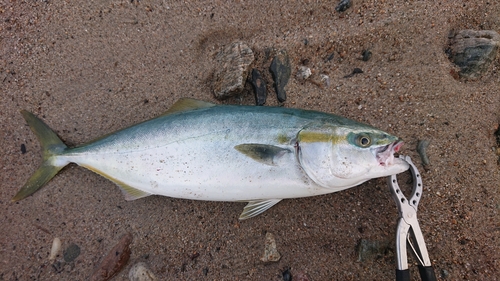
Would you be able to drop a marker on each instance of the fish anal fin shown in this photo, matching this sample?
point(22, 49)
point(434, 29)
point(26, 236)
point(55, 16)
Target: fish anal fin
point(186, 104)
point(257, 207)
point(130, 193)
point(263, 153)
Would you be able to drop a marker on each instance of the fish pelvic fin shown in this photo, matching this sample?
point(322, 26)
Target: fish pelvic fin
point(51, 146)
point(257, 207)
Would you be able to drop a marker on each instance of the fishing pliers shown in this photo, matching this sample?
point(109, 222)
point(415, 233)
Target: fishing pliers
point(408, 230)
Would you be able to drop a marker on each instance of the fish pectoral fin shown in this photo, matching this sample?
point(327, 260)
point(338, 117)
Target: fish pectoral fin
point(263, 153)
point(257, 207)
point(186, 104)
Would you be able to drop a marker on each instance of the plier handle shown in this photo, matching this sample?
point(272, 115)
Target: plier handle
point(408, 230)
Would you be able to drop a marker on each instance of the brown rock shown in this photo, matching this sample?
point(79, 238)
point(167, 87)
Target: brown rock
point(232, 67)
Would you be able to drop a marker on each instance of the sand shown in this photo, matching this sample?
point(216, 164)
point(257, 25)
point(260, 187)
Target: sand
point(91, 67)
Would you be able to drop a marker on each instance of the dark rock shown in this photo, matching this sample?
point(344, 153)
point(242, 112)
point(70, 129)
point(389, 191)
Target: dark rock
point(23, 148)
point(71, 253)
point(232, 66)
point(259, 87)
point(281, 70)
point(366, 55)
point(287, 275)
point(354, 72)
point(370, 250)
point(343, 5)
point(473, 51)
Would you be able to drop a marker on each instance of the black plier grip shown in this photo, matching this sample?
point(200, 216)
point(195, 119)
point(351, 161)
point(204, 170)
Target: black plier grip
point(408, 230)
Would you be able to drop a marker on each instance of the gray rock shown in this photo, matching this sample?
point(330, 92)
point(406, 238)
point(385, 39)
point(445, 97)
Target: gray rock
point(141, 272)
point(343, 5)
point(473, 51)
point(259, 87)
point(303, 72)
point(71, 253)
point(271, 253)
point(370, 250)
point(232, 66)
point(280, 69)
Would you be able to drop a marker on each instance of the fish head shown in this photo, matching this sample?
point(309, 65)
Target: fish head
point(339, 157)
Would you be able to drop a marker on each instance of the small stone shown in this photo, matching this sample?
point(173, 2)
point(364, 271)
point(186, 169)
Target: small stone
point(114, 261)
point(55, 249)
point(343, 5)
point(280, 69)
point(303, 72)
point(23, 148)
point(444, 273)
point(287, 275)
point(422, 151)
point(354, 72)
point(271, 254)
point(141, 272)
point(369, 250)
point(473, 51)
point(71, 253)
point(325, 79)
point(259, 87)
point(366, 55)
point(232, 66)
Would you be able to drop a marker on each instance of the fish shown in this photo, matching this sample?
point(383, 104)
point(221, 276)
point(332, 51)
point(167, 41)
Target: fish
point(202, 151)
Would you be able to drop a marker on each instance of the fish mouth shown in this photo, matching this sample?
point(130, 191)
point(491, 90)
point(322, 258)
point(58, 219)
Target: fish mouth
point(385, 154)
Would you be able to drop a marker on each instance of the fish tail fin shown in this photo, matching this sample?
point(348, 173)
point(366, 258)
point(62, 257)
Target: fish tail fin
point(51, 146)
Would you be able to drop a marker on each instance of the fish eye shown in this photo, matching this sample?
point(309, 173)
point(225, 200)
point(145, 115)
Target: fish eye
point(364, 140)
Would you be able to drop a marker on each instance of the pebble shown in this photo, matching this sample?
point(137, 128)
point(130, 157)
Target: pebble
point(259, 87)
point(271, 254)
point(354, 72)
point(71, 253)
point(280, 69)
point(366, 55)
point(23, 148)
point(231, 72)
point(303, 72)
point(369, 250)
point(55, 249)
point(114, 261)
point(141, 272)
point(422, 151)
point(473, 51)
point(325, 79)
point(343, 5)
point(287, 275)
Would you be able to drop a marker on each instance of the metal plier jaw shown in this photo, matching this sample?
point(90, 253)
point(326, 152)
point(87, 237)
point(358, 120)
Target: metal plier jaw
point(408, 230)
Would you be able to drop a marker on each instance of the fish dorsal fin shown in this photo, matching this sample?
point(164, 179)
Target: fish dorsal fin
point(257, 207)
point(186, 104)
point(263, 153)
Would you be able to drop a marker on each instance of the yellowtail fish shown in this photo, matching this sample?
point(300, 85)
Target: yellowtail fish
point(202, 151)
